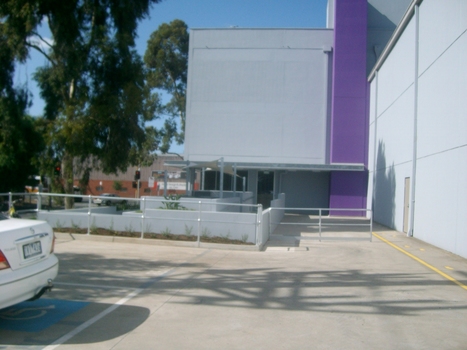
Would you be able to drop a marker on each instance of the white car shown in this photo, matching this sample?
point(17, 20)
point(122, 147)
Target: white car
point(28, 264)
point(108, 199)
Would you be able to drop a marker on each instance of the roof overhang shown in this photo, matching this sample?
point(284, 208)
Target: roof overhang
point(229, 167)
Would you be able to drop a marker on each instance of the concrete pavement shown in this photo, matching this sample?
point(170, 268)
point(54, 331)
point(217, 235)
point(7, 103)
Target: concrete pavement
point(392, 293)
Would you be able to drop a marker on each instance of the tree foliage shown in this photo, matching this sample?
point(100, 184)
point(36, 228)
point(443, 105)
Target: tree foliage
point(20, 142)
point(94, 81)
point(167, 60)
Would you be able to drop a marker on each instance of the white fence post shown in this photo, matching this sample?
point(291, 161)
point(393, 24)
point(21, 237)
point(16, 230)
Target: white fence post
point(89, 214)
point(142, 217)
point(39, 201)
point(199, 223)
point(259, 230)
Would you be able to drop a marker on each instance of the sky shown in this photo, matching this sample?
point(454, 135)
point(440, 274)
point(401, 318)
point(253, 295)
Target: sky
point(204, 14)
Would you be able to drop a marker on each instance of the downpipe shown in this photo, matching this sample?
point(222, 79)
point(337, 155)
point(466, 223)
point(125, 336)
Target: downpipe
point(415, 125)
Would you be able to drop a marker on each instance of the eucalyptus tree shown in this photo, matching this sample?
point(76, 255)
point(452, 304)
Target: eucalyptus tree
point(93, 82)
point(20, 142)
point(167, 60)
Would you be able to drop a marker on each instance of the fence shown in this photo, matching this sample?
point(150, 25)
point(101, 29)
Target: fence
point(198, 218)
point(209, 218)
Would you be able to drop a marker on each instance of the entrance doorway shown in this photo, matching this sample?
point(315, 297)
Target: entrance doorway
point(265, 188)
point(212, 181)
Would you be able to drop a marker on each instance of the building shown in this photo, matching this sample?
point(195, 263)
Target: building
point(418, 126)
point(366, 113)
point(287, 107)
point(151, 183)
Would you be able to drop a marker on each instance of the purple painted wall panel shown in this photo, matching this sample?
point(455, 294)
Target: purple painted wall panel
point(349, 115)
point(351, 137)
point(348, 188)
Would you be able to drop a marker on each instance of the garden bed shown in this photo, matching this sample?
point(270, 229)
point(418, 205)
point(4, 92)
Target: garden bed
point(162, 236)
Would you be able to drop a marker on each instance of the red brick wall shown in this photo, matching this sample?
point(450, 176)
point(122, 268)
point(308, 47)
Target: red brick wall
point(94, 188)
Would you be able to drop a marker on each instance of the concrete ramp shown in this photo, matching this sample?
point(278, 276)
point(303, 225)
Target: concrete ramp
point(296, 230)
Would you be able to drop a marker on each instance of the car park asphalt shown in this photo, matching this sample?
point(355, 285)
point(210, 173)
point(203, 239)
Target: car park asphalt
point(392, 293)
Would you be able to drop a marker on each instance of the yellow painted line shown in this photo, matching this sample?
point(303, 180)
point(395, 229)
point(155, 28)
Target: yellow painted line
point(449, 267)
point(452, 279)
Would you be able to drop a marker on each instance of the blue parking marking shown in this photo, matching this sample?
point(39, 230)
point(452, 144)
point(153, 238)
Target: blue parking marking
point(35, 316)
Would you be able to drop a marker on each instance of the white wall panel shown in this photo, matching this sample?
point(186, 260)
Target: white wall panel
point(441, 198)
point(441, 186)
point(398, 71)
point(389, 195)
point(371, 142)
point(441, 23)
point(441, 201)
point(395, 129)
point(259, 38)
point(372, 101)
point(443, 102)
point(460, 205)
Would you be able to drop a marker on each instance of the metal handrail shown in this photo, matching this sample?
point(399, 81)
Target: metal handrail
point(144, 200)
point(320, 218)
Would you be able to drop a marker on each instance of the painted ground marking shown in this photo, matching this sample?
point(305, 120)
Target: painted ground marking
point(445, 275)
point(122, 301)
point(35, 316)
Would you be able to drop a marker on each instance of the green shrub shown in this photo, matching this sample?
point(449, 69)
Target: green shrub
point(174, 203)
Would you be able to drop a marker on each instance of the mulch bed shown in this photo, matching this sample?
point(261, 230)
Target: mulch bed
point(164, 236)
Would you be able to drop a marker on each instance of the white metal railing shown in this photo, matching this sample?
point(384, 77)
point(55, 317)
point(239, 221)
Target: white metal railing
point(232, 214)
point(321, 221)
point(200, 214)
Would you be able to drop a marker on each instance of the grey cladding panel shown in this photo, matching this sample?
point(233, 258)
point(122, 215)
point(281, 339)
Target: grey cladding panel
point(257, 104)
